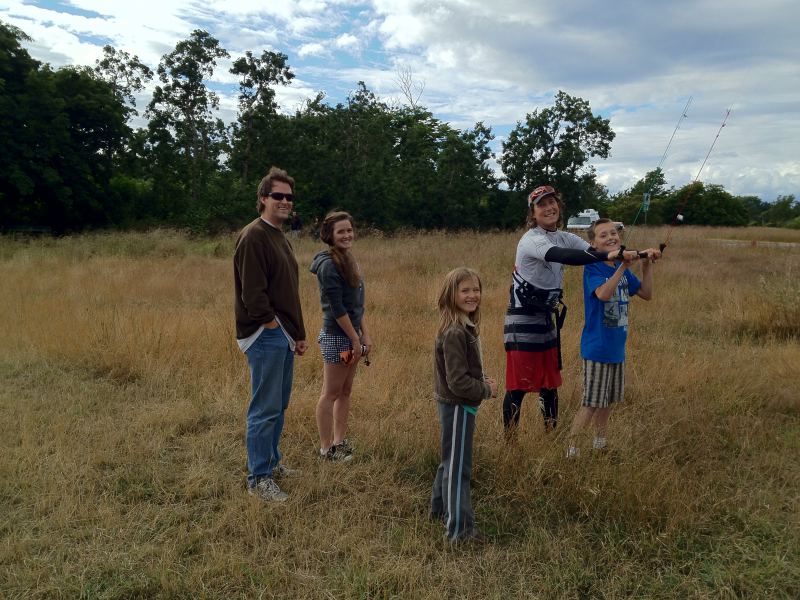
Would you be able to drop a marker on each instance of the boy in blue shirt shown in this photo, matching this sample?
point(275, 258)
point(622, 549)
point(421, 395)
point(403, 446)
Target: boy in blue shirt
point(607, 289)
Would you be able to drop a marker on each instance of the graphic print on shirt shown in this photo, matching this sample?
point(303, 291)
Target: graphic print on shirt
point(615, 311)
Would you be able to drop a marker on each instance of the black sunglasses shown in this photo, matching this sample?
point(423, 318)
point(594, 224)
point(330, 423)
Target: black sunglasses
point(281, 196)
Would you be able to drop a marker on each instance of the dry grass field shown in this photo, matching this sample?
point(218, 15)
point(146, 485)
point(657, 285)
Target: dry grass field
point(123, 396)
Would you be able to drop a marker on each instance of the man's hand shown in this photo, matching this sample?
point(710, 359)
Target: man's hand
point(300, 347)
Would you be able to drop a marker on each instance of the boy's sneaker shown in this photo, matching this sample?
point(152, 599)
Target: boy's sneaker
point(573, 452)
point(266, 489)
point(335, 454)
point(283, 471)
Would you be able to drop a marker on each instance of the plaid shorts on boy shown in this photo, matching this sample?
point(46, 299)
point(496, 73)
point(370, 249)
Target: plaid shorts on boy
point(603, 383)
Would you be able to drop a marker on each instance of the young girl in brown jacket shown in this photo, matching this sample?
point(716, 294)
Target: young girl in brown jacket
point(460, 386)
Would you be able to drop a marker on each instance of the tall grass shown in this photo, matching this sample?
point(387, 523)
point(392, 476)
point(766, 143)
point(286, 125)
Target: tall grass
point(122, 417)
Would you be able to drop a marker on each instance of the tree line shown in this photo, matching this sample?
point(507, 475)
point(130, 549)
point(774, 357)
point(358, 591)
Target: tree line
point(70, 159)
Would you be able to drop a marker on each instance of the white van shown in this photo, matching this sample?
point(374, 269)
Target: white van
point(585, 218)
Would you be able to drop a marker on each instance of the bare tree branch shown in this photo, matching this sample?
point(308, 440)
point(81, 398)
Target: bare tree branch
point(411, 89)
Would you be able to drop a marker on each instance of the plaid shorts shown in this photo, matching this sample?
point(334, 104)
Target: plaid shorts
point(603, 383)
point(331, 345)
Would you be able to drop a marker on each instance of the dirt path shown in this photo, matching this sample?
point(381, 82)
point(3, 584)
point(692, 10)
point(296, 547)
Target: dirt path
point(756, 243)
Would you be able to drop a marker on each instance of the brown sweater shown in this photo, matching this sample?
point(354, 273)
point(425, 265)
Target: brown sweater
point(457, 368)
point(266, 281)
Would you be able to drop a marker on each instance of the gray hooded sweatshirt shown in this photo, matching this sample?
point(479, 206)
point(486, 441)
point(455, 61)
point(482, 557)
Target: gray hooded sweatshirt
point(336, 295)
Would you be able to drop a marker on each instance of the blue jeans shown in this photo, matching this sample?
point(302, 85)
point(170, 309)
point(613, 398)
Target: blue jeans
point(271, 366)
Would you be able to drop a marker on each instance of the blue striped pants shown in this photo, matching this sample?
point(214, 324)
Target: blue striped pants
point(450, 499)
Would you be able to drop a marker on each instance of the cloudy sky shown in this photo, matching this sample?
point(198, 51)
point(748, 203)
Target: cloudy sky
point(636, 62)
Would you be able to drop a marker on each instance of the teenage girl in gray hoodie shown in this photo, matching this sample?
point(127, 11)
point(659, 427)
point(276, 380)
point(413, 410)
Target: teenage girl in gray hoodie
point(344, 337)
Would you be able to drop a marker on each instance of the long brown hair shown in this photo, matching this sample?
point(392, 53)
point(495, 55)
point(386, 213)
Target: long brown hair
point(449, 314)
point(343, 259)
point(531, 220)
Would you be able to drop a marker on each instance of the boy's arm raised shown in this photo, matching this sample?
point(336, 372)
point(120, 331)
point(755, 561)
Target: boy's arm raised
point(606, 290)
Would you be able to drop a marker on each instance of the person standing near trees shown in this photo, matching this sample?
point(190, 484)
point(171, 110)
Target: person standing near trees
point(344, 338)
point(535, 314)
point(296, 225)
point(269, 328)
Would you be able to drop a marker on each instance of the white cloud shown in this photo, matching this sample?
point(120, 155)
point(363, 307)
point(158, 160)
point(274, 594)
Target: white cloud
point(347, 41)
point(312, 49)
point(293, 97)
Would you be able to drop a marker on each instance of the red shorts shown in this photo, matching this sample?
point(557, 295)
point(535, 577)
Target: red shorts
point(532, 371)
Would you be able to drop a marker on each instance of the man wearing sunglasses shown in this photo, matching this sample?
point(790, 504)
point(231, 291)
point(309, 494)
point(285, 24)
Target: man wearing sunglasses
point(269, 328)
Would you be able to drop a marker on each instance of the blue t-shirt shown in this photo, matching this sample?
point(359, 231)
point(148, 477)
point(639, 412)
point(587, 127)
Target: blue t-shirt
point(605, 327)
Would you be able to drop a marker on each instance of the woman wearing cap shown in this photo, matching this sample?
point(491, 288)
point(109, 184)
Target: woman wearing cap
point(535, 312)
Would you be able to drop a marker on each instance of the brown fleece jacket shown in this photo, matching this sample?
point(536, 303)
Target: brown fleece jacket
point(266, 281)
point(457, 368)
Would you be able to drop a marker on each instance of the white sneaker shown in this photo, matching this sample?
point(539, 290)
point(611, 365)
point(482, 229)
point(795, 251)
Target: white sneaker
point(573, 452)
point(266, 489)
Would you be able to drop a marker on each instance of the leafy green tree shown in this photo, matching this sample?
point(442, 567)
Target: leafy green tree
point(17, 178)
point(596, 196)
point(705, 205)
point(257, 107)
point(389, 166)
point(554, 146)
point(653, 183)
point(341, 156)
point(465, 182)
point(418, 139)
point(628, 205)
point(310, 146)
point(755, 207)
point(185, 139)
point(783, 210)
point(349, 152)
point(93, 119)
point(125, 74)
point(51, 171)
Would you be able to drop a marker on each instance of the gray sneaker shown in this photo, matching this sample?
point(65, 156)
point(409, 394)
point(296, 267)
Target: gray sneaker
point(283, 471)
point(346, 446)
point(336, 454)
point(266, 489)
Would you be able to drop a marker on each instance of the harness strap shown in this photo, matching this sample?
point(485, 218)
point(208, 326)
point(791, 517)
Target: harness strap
point(535, 301)
point(560, 318)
